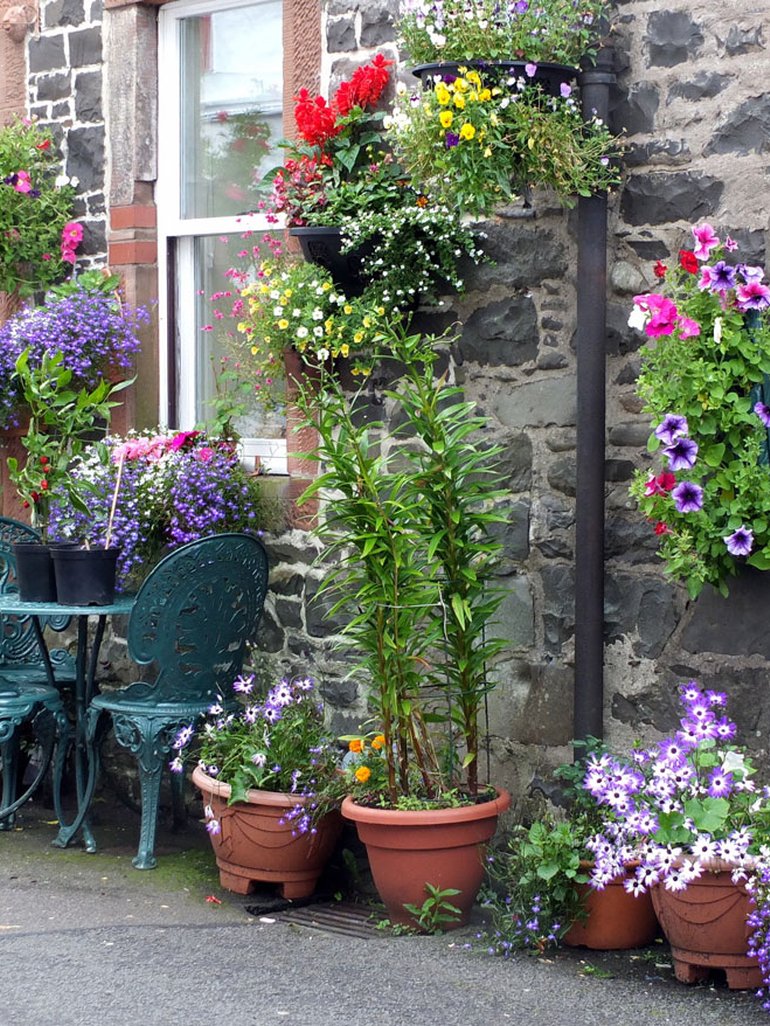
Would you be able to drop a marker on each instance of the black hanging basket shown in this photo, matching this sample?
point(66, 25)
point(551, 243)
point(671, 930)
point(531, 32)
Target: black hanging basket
point(322, 245)
point(85, 577)
point(550, 77)
point(34, 572)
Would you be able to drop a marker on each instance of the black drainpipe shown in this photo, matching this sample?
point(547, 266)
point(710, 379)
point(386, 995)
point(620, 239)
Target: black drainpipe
point(595, 85)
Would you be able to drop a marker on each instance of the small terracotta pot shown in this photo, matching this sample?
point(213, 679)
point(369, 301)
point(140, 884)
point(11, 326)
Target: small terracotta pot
point(615, 920)
point(705, 924)
point(442, 847)
point(255, 845)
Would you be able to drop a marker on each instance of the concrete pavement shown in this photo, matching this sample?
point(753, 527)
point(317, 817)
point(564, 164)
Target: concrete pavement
point(86, 940)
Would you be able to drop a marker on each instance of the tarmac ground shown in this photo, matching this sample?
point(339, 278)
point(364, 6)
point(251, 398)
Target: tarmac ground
point(86, 940)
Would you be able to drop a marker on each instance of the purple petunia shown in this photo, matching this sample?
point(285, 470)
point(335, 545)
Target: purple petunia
point(719, 278)
point(740, 542)
point(682, 454)
point(672, 427)
point(763, 412)
point(688, 497)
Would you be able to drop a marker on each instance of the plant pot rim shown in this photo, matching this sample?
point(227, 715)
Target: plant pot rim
point(481, 62)
point(254, 796)
point(426, 817)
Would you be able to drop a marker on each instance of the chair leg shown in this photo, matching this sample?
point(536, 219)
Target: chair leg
point(177, 801)
point(9, 766)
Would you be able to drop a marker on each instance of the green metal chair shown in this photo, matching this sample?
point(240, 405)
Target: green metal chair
point(24, 693)
point(193, 617)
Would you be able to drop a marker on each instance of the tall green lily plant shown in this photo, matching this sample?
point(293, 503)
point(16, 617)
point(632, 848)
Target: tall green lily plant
point(408, 517)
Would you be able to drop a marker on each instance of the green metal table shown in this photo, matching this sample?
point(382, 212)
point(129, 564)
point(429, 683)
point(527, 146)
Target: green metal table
point(86, 663)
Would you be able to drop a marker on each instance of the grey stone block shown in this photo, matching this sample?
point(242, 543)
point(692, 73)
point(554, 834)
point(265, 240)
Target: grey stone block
point(85, 47)
point(501, 334)
point(672, 38)
point(340, 35)
point(86, 157)
point(538, 403)
point(703, 86)
point(662, 198)
point(46, 53)
point(733, 626)
point(636, 112)
point(562, 475)
point(744, 130)
point(88, 96)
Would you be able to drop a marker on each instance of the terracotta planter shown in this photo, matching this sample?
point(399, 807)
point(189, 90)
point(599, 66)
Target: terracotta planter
point(442, 847)
point(705, 924)
point(616, 920)
point(254, 845)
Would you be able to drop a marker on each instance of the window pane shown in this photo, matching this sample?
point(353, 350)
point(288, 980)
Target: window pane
point(212, 258)
point(232, 98)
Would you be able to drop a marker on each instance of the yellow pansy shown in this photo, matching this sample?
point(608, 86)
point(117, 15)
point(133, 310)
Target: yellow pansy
point(473, 78)
point(485, 95)
point(473, 96)
point(459, 101)
point(445, 117)
point(461, 85)
point(442, 94)
point(467, 131)
point(494, 119)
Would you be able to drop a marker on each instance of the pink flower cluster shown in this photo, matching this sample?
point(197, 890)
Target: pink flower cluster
point(71, 237)
point(153, 448)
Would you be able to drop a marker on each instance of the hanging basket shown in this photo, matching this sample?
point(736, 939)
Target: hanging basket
point(322, 245)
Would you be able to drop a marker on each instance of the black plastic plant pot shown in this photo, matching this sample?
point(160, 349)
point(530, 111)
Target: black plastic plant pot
point(550, 77)
point(34, 572)
point(85, 577)
point(322, 245)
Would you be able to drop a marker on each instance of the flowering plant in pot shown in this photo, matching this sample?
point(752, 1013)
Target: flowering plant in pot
point(37, 236)
point(264, 761)
point(155, 491)
point(276, 303)
point(705, 382)
point(477, 144)
point(84, 320)
point(539, 894)
point(62, 418)
point(397, 244)
point(531, 30)
point(411, 530)
point(689, 810)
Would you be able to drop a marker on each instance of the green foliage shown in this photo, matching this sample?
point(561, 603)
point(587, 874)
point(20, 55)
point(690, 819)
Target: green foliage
point(410, 526)
point(713, 379)
point(61, 423)
point(476, 144)
point(35, 204)
point(536, 879)
point(437, 911)
point(456, 30)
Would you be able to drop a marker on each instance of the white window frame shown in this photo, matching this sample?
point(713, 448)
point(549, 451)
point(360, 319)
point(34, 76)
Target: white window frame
point(272, 452)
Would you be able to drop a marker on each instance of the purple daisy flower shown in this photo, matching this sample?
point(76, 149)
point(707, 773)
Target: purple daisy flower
point(720, 784)
point(672, 427)
point(688, 497)
point(681, 455)
point(740, 542)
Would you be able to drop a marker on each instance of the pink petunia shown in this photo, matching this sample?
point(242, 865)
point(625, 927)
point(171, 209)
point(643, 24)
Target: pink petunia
point(705, 240)
point(662, 314)
point(688, 328)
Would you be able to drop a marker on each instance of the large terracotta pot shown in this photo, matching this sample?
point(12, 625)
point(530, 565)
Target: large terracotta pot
point(254, 845)
point(705, 924)
point(615, 920)
point(442, 847)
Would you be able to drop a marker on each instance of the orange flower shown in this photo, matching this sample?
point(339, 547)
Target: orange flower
point(378, 742)
point(356, 745)
point(362, 774)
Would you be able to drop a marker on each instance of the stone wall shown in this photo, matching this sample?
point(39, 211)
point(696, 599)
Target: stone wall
point(691, 100)
point(65, 91)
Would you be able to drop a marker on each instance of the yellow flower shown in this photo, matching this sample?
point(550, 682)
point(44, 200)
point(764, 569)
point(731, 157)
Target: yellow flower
point(473, 96)
point(358, 337)
point(459, 101)
point(283, 324)
point(531, 143)
point(326, 286)
point(362, 774)
point(381, 311)
point(461, 85)
point(488, 151)
point(289, 293)
point(485, 95)
point(473, 78)
point(344, 349)
point(442, 94)
point(347, 308)
point(467, 131)
point(445, 117)
point(356, 745)
point(494, 120)
point(254, 350)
